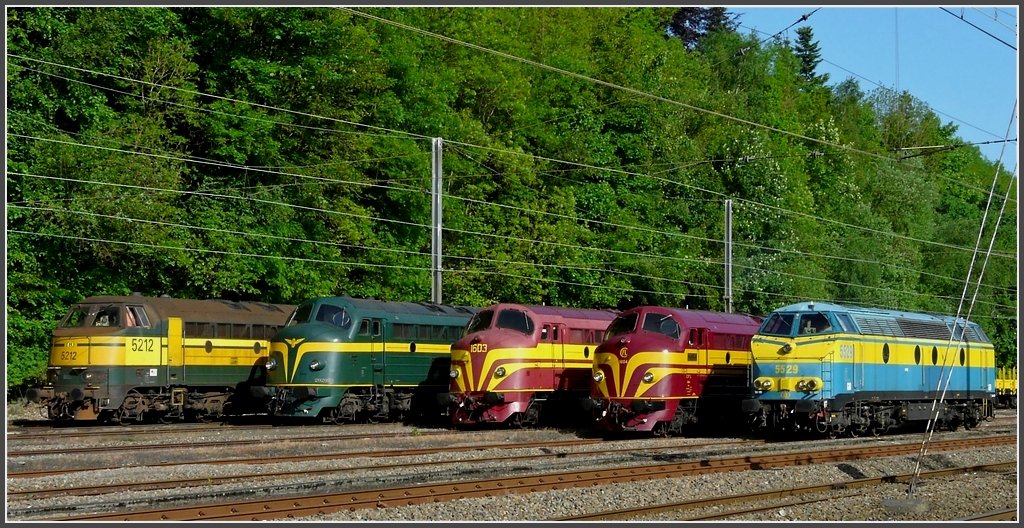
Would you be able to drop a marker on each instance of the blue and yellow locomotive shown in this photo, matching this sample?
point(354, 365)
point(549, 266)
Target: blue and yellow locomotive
point(342, 359)
point(831, 369)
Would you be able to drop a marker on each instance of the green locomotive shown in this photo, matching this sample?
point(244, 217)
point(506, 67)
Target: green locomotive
point(342, 359)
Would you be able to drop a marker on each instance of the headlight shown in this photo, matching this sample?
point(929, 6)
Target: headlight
point(599, 377)
point(271, 364)
point(315, 365)
point(499, 372)
point(811, 385)
point(763, 384)
point(87, 375)
point(801, 385)
point(453, 374)
point(648, 377)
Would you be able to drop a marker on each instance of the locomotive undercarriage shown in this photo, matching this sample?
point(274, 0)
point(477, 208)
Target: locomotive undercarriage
point(555, 408)
point(859, 418)
point(631, 416)
point(165, 404)
point(486, 409)
point(370, 405)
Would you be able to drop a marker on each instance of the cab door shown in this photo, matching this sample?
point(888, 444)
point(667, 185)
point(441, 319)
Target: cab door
point(174, 361)
point(559, 371)
point(378, 355)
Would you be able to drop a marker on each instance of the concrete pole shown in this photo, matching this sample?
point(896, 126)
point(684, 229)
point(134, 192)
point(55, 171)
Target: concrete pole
point(728, 256)
point(435, 233)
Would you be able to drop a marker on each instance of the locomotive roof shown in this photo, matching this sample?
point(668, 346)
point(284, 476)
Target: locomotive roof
point(212, 310)
point(587, 314)
point(859, 310)
point(705, 318)
point(370, 306)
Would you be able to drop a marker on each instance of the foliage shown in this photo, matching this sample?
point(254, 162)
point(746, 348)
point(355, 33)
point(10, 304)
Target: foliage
point(809, 53)
point(276, 154)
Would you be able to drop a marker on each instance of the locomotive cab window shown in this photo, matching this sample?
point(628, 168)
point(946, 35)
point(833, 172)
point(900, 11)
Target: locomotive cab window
point(480, 321)
point(696, 337)
point(846, 322)
point(515, 320)
point(75, 318)
point(661, 324)
point(621, 325)
point(814, 323)
point(136, 316)
point(301, 314)
point(108, 316)
point(334, 315)
point(779, 324)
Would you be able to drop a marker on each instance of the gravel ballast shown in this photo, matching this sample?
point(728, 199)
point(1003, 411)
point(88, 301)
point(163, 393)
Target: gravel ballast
point(940, 499)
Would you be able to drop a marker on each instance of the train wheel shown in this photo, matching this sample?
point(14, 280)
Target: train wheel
point(335, 415)
point(107, 417)
point(515, 421)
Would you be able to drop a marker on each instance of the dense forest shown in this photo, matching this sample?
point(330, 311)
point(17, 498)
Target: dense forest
point(277, 154)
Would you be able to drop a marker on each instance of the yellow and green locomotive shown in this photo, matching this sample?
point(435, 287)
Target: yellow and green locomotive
point(134, 358)
point(1006, 387)
point(343, 359)
point(830, 369)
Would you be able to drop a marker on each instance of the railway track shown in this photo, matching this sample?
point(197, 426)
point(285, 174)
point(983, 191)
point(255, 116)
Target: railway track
point(176, 446)
point(1008, 514)
point(24, 435)
point(775, 498)
point(319, 504)
point(249, 477)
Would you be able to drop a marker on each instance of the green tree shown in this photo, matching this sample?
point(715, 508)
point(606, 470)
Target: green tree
point(809, 53)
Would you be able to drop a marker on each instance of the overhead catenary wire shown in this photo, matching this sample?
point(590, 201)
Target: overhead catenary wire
point(574, 218)
point(519, 239)
point(996, 20)
point(933, 415)
point(548, 159)
point(613, 85)
point(884, 87)
point(961, 17)
point(599, 168)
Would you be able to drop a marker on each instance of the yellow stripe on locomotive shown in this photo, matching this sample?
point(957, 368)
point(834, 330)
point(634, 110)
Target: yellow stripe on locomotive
point(835, 369)
point(118, 358)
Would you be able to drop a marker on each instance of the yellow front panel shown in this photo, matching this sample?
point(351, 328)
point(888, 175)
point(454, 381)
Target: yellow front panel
point(70, 352)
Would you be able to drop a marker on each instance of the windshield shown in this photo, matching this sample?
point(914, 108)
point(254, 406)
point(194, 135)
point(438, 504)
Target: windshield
point(621, 325)
point(661, 324)
point(480, 321)
point(515, 320)
point(778, 324)
point(814, 323)
point(75, 318)
point(334, 315)
point(301, 314)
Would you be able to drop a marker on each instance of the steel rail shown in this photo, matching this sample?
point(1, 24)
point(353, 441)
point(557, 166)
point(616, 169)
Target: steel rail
point(321, 504)
point(205, 481)
point(745, 498)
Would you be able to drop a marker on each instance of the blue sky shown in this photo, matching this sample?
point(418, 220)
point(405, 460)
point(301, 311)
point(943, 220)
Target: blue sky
point(966, 76)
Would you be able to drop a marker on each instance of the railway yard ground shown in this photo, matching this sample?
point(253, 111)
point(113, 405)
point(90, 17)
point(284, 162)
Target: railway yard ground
point(394, 472)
